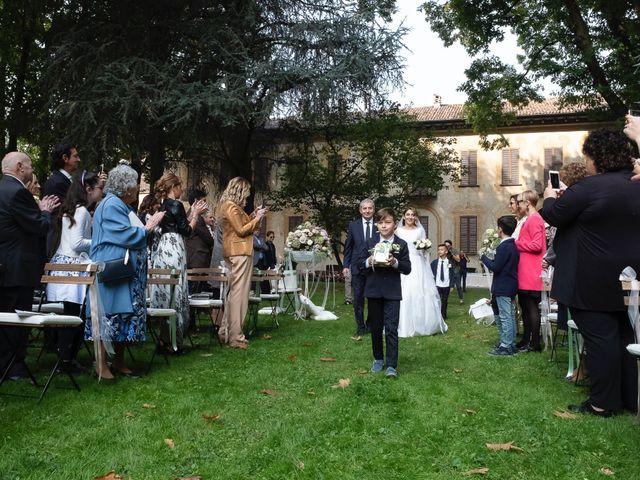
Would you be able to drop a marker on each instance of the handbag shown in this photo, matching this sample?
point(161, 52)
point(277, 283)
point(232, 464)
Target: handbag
point(117, 270)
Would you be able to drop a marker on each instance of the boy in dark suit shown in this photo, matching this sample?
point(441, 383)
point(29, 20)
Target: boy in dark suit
point(443, 274)
point(505, 285)
point(383, 289)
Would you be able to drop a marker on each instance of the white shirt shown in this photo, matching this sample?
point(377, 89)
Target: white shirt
point(66, 174)
point(443, 265)
point(519, 224)
point(364, 227)
point(77, 239)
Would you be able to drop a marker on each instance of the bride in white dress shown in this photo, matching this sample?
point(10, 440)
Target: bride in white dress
point(420, 305)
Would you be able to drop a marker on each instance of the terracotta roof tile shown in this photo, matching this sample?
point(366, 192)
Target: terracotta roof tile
point(444, 112)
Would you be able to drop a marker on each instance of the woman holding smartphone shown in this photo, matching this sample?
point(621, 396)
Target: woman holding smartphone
point(237, 246)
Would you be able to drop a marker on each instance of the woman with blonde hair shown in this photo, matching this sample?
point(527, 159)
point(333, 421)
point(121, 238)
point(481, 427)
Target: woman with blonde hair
point(237, 246)
point(171, 253)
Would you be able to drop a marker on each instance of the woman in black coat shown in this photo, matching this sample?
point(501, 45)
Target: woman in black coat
point(600, 218)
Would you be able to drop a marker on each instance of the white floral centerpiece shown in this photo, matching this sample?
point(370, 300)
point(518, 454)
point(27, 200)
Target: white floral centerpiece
point(422, 244)
point(490, 242)
point(308, 242)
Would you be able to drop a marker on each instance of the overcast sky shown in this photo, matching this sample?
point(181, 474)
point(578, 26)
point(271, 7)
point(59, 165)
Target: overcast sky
point(430, 67)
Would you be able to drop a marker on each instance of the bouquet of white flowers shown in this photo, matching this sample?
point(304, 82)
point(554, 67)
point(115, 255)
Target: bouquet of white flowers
point(490, 242)
point(422, 244)
point(308, 238)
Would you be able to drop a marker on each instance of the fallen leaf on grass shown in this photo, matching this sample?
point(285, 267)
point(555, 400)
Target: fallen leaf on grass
point(311, 392)
point(476, 471)
point(268, 391)
point(266, 336)
point(300, 465)
point(563, 414)
point(327, 359)
point(356, 338)
point(169, 442)
point(110, 476)
point(211, 418)
point(206, 354)
point(342, 383)
point(607, 471)
point(129, 414)
point(292, 357)
point(148, 405)
point(504, 446)
point(457, 370)
point(468, 411)
point(363, 371)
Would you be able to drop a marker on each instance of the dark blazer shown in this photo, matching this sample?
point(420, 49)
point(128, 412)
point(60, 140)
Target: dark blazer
point(354, 243)
point(175, 218)
point(23, 231)
point(57, 184)
point(434, 270)
point(384, 282)
point(271, 259)
point(199, 245)
point(598, 219)
point(504, 268)
point(260, 250)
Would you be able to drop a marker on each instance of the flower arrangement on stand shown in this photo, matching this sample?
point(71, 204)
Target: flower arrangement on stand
point(490, 242)
point(309, 238)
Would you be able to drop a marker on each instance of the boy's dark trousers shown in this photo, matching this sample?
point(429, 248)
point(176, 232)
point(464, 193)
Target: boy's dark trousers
point(444, 300)
point(384, 313)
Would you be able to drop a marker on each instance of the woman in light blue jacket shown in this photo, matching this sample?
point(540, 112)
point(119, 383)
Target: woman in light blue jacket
point(116, 230)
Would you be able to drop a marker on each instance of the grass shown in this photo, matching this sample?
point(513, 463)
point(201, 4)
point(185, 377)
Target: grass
point(433, 422)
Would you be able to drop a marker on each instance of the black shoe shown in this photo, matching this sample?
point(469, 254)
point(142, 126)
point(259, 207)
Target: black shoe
point(71, 367)
point(586, 407)
point(526, 348)
point(132, 375)
point(18, 371)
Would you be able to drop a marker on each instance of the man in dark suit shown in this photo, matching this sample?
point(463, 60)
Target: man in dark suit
point(272, 259)
point(359, 231)
point(383, 289)
point(65, 160)
point(23, 228)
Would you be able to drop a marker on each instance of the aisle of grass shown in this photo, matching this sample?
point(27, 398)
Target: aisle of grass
point(450, 399)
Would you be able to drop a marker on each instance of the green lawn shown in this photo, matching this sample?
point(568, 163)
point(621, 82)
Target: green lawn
point(434, 421)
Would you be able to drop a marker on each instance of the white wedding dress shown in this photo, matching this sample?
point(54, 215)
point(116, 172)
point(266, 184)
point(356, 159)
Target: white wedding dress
point(420, 306)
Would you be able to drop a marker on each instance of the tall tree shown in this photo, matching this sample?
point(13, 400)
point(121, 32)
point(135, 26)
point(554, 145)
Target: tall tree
point(585, 47)
point(199, 78)
point(23, 26)
point(379, 154)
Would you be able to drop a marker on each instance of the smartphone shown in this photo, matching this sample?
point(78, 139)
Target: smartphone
point(554, 177)
point(634, 112)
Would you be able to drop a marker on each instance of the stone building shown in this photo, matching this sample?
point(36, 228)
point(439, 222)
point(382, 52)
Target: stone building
point(542, 138)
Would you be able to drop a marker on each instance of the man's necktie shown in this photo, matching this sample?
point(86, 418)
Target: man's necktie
point(368, 234)
point(442, 270)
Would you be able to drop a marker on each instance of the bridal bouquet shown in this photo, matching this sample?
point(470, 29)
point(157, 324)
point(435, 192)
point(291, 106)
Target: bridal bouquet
point(422, 244)
point(308, 238)
point(490, 242)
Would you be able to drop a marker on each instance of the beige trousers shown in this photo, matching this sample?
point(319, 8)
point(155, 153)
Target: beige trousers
point(235, 309)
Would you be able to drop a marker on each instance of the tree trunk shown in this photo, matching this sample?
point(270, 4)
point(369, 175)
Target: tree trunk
point(580, 30)
point(156, 157)
point(16, 120)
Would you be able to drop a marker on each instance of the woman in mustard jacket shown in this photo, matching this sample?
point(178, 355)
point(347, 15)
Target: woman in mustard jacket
point(237, 247)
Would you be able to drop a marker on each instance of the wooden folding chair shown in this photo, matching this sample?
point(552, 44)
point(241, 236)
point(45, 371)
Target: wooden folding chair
point(162, 276)
point(50, 320)
point(273, 299)
point(203, 301)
